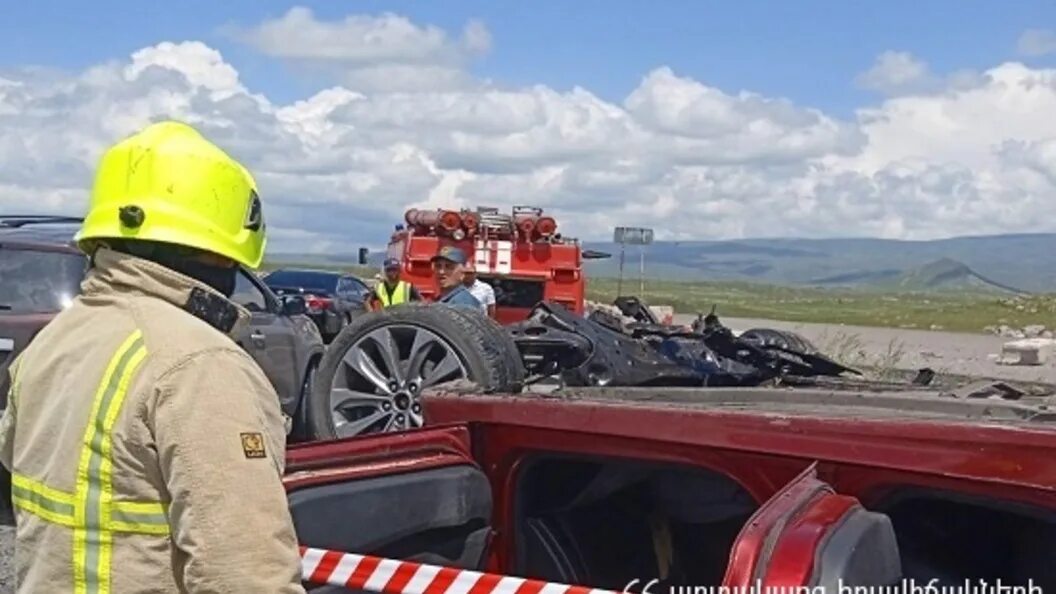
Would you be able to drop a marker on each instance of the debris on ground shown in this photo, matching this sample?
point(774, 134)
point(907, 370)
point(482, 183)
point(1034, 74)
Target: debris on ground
point(1027, 351)
point(1032, 331)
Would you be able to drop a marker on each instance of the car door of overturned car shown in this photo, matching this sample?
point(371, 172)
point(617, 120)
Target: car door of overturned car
point(425, 495)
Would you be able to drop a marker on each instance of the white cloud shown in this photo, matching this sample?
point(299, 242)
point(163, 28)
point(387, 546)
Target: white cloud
point(895, 73)
point(386, 52)
point(900, 74)
point(974, 154)
point(1037, 42)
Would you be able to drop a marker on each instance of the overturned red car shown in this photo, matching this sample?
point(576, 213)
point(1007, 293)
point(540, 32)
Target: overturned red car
point(457, 457)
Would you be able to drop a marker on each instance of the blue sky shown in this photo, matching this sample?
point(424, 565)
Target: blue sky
point(959, 138)
point(808, 51)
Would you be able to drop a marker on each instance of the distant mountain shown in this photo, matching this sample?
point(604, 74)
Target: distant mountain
point(1012, 262)
point(948, 275)
point(1005, 263)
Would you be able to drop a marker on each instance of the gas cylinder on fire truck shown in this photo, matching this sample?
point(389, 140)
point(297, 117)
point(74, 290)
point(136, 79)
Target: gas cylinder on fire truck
point(520, 254)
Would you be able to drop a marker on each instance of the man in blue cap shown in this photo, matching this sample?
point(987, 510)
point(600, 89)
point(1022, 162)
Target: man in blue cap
point(391, 290)
point(449, 265)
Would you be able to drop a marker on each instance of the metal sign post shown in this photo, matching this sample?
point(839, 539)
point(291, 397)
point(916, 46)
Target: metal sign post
point(641, 271)
point(641, 237)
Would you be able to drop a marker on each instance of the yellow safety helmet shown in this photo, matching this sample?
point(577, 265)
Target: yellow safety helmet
point(167, 183)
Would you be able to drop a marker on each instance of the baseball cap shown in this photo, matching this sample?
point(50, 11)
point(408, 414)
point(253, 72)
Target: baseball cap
point(451, 253)
point(391, 264)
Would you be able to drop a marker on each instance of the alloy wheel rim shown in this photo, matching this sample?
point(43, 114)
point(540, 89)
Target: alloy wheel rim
point(379, 382)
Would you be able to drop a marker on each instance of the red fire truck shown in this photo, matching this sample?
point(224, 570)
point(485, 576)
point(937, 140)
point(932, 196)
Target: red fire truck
point(521, 255)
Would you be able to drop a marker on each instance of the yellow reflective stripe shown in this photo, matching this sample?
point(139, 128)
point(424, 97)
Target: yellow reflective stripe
point(42, 501)
point(133, 516)
point(138, 508)
point(106, 470)
point(43, 491)
point(38, 509)
point(139, 518)
point(91, 510)
point(92, 543)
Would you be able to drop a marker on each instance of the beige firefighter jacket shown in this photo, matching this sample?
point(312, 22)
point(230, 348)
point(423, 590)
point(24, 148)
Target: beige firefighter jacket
point(146, 448)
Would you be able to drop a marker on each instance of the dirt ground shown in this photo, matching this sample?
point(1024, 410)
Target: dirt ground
point(7, 558)
point(944, 352)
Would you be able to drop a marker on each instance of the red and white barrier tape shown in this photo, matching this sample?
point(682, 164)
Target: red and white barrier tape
point(391, 576)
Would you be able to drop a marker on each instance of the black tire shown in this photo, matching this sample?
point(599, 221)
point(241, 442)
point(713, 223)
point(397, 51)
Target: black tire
point(481, 346)
point(497, 335)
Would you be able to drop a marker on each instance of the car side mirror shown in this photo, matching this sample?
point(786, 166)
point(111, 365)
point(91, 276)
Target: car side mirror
point(294, 305)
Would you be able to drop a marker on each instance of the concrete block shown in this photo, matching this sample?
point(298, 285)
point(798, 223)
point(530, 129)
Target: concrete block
point(1028, 351)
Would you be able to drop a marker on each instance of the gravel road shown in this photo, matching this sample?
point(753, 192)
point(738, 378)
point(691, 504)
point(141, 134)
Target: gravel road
point(7, 556)
point(945, 352)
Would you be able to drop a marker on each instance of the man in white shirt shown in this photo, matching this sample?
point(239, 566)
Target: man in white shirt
point(480, 289)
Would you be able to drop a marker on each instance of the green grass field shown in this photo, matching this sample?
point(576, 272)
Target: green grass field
point(959, 312)
point(946, 311)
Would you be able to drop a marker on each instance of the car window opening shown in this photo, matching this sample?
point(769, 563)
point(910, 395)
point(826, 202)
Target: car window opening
point(605, 523)
point(952, 538)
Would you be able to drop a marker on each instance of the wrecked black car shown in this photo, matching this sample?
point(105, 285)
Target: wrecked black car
point(603, 349)
point(375, 372)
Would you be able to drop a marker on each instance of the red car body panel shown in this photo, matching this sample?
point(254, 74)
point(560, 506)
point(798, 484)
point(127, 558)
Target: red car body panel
point(750, 557)
point(807, 471)
point(374, 456)
point(1002, 456)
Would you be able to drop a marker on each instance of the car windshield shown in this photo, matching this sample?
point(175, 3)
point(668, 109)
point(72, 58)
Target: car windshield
point(38, 281)
point(318, 282)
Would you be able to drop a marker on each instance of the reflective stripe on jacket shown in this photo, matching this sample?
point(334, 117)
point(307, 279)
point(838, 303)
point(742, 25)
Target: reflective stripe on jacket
point(400, 294)
point(146, 448)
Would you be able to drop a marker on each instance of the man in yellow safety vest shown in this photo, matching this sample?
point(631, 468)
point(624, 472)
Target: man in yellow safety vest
point(392, 290)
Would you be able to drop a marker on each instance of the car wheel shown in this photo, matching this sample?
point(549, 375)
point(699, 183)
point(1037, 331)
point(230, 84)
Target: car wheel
point(489, 327)
point(373, 374)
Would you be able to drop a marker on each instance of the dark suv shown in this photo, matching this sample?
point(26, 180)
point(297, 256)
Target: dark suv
point(41, 271)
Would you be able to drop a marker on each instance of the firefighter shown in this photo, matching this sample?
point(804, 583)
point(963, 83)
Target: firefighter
point(392, 290)
point(146, 448)
point(449, 265)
